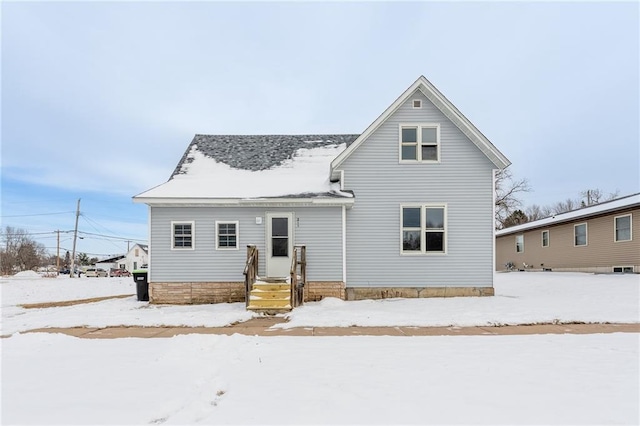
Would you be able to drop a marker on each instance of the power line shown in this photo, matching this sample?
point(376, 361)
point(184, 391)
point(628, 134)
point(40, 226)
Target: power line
point(35, 214)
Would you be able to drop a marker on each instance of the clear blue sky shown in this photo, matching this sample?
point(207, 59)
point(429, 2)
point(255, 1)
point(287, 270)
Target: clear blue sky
point(100, 100)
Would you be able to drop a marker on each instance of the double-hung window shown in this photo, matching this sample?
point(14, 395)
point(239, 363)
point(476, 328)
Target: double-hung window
point(226, 235)
point(182, 234)
point(580, 235)
point(419, 143)
point(424, 229)
point(519, 243)
point(622, 228)
point(545, 238)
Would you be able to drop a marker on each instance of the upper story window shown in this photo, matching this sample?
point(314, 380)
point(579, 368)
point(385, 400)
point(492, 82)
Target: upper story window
point(545, 238)
point(226, 235)
point(580, 234)
point(519, 243)
point(136, 253)
point(417, 103)
point(424, 229)
point(623, 228)
point(182, 234)
point(419, 143)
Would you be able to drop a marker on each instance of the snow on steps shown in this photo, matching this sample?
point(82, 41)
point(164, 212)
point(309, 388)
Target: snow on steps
point(271, 295)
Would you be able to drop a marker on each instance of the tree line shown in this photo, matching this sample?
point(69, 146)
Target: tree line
point(509, 210)
point(20, 252)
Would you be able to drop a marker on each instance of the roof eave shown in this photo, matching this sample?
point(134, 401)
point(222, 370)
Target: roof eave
point(246, 202)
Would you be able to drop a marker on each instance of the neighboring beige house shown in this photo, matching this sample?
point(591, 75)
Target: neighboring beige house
point(598, 238)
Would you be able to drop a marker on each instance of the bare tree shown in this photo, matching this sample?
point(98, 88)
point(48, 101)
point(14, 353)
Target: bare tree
point(507, 191)
point(565, 206)
point(19, 252)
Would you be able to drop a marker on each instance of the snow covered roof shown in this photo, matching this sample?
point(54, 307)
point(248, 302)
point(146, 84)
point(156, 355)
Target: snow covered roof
point(228, 167)
point(599, 209)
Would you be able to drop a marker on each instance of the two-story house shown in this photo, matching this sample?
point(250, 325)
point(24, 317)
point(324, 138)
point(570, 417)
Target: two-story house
point(404, 209)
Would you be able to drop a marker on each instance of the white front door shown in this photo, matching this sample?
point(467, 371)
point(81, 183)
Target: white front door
point(279, 244)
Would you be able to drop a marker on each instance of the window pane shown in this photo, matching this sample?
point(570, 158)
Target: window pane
point(411, 240)
point(435, 218)
point(435, 241)
point(279, 227)
point(409, 134)
point(519, 243)
point(411, 217)
point(429, 153)
point(545, 238)
point(409, 152)
point(580, 235)
point(623, 228)
point(429, 135)
point(279, 247)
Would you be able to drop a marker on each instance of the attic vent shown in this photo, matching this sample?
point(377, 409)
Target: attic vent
point(417, 103)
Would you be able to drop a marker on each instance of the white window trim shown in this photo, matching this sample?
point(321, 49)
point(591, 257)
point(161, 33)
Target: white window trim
point(419, 126)
point(228, 222)
point(413, 103)
point(423, 230)
point(633, 269)
point(630, 228)
point(516, 241)
point(193, 234)
point(548, 238)
point(586, 234)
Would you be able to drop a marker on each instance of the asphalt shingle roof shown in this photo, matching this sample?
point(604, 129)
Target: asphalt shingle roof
point(257, 152)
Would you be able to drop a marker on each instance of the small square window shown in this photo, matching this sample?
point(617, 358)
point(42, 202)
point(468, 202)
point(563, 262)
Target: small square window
point(182, 235)
point(419, 143)
point(417, 103)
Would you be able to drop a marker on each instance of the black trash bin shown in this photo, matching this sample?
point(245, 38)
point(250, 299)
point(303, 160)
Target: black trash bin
point(142, 285)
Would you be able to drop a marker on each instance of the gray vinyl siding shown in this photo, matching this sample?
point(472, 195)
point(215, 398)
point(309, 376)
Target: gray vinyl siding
point(320, 229)
point(463, 180)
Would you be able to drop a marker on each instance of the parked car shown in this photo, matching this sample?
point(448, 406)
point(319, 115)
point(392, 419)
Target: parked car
point(65, 271)
point(95, 272)
point(119, 273)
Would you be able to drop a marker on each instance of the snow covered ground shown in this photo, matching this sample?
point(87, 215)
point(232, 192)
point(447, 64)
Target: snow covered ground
point(521, 298)
point(215, 379)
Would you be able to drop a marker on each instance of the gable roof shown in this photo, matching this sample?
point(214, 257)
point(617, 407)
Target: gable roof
point(446, 107)
point(607, 207)
point(231, 167)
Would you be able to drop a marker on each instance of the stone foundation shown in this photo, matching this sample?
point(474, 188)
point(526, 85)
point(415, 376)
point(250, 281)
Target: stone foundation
point(361, 293)
point(196, 293)
point(317, 290)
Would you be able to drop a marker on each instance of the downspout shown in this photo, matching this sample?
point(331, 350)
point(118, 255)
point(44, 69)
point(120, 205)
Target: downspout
point(493, 226)
point(344, 245)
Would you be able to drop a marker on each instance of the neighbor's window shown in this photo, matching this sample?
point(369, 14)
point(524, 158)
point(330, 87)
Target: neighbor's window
point(545, 238)
point(623, 228)
point(580, 234)
point(419, 142)
point(182, 235)
point(423, 229)
point(519, 243)
point(226, 235)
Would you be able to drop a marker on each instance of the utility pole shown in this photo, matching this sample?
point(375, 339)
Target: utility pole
point(58, 254)
point(75, 236)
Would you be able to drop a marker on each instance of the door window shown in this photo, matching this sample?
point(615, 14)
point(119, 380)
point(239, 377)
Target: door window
point(280, 237)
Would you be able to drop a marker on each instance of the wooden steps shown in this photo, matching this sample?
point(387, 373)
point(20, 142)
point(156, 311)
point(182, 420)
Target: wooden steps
point(270, 295)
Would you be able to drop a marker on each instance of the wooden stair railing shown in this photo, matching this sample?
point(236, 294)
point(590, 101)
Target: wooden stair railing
point(250, 271)
point(298, 280)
